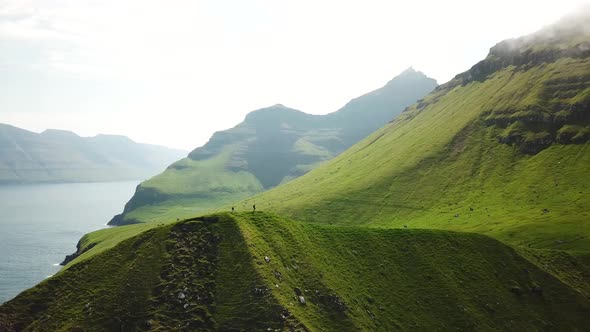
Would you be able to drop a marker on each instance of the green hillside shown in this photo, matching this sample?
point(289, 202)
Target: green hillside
point(247, 272)
point(469, 212)
point(271, 146)
point(62, 156)
point(502, 149)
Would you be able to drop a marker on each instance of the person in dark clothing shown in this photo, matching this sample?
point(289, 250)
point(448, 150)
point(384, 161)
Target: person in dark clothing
point(232, 209)
point(254, 208)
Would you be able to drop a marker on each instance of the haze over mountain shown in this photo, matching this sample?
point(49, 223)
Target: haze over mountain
point(89, 65)
point(501, 149)
point(271, 146)
point(62, 156)
point(468, 212)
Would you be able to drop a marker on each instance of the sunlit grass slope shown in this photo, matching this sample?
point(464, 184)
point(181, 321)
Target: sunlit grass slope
point(191, 187)
point(248, 271)
point(271, 146)
point(446, 163)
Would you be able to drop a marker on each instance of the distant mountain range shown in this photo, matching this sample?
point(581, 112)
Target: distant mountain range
point(271, 146)
point(62, 156)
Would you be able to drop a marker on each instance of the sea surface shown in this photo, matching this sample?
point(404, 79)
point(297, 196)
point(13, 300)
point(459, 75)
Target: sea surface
point(41, 224)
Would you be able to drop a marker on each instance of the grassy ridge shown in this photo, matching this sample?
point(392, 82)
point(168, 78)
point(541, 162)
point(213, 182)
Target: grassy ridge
point(402, 279)
point(247, 271)
point(271, 146)
point(137, 285)
point(191, 187)
point(572, 268)
point(110, 291)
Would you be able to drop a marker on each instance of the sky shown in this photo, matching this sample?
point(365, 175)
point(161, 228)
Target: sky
point(172, 72)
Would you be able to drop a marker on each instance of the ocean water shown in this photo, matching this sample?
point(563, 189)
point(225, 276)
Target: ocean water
point(41, 224)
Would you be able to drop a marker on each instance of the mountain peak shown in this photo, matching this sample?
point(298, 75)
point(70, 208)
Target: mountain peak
point(59, 133)
point(277, 111)
point(409, 70)
point(277, 106)
point(408, 74)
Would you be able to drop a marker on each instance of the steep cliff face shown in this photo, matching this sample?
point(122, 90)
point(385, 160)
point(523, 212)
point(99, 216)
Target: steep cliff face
point(567, 38)
point(560, 114)
point(557, 108)
point(271, 146)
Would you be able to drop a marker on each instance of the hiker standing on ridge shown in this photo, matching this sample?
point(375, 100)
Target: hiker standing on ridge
point(254, 208)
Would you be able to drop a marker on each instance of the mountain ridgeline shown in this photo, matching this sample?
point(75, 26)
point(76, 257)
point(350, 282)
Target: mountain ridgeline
point(61, 156)
point(502, 149)
point(271, 146)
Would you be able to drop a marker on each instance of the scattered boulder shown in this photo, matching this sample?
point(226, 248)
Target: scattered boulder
point(278, 275)
point(181, 296)
point(301, 299)
point(285, 314)
point(267, 259)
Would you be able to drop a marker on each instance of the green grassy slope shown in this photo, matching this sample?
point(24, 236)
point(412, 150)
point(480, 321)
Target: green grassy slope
point(190, 187)
point(246, 272)
point(483, 153)
point(137, 285)
point(270, 147)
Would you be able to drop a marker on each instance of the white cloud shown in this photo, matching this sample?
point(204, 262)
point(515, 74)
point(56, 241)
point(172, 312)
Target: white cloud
point(16, 8)
point(188, 68)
